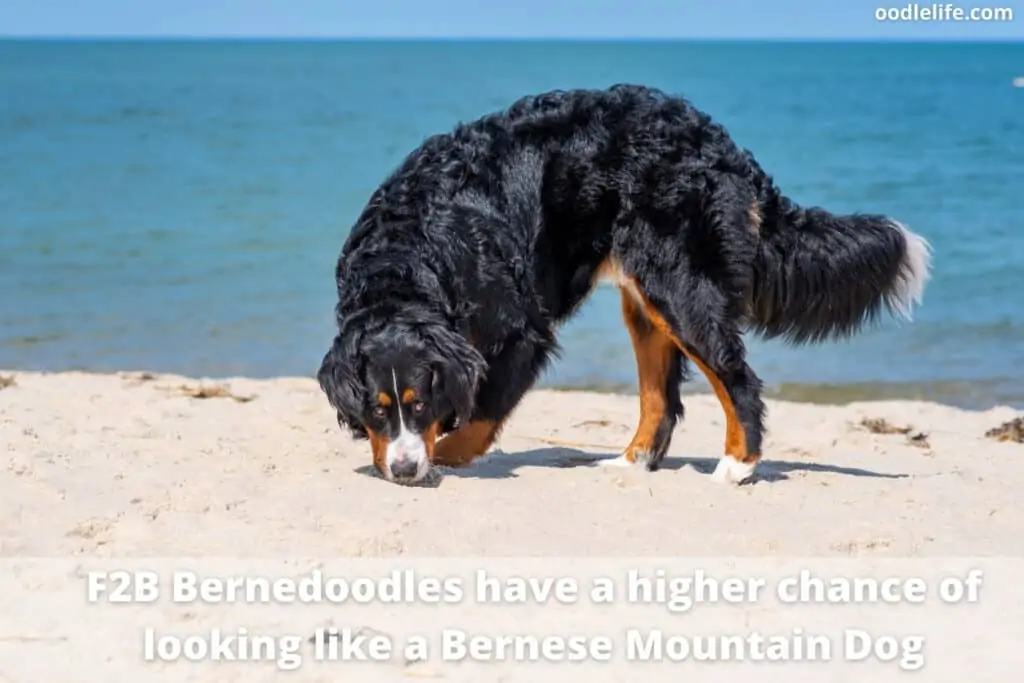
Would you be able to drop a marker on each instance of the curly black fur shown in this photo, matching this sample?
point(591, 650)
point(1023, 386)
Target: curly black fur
point(484, 239)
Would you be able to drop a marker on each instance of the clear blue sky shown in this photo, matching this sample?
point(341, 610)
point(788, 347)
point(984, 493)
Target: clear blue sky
point(490, 18)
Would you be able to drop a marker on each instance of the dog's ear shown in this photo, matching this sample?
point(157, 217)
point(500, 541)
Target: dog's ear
point(340, 379)
point(458, 370)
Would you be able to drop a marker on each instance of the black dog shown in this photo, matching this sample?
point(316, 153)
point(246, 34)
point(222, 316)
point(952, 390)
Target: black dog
point(465, 260)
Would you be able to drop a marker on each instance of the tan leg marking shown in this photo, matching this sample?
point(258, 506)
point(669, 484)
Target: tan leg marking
point(653, 351)
point(735, 435)
point(465, 444)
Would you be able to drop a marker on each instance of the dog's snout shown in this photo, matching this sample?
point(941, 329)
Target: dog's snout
point(404, 468)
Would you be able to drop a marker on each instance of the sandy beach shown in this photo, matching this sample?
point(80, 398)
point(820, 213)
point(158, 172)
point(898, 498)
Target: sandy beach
point(136, 465)
point(132, 464)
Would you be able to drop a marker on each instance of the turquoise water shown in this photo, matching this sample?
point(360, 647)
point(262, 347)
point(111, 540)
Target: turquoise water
point(179, 206)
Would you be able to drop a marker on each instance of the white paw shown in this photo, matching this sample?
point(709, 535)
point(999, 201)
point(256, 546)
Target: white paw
point(616, 462)
point(732, 471)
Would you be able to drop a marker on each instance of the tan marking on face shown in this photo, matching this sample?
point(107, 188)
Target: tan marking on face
point(383, 399)
point(408, 396)
point(379, 448)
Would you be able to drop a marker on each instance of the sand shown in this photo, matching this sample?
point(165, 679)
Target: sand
point(135, 465)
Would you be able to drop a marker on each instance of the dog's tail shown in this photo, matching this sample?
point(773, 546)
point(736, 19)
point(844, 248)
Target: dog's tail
point(821, 276)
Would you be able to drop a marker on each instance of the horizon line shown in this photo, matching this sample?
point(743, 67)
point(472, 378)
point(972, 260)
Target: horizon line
point(523, 39)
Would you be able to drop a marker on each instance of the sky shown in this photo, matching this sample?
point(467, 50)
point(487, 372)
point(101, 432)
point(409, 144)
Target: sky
point(771, 19)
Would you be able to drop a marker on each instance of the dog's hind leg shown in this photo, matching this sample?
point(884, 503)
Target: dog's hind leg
point(659, 365)
point(701, 328)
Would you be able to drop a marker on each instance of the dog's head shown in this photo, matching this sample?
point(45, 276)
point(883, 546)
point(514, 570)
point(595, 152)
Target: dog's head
point(401, 387)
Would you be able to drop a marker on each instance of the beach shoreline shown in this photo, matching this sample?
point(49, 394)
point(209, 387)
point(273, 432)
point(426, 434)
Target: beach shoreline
point(972, 395)
point(976, 395)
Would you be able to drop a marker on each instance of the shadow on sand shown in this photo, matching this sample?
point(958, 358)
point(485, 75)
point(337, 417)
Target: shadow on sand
point(502, 465)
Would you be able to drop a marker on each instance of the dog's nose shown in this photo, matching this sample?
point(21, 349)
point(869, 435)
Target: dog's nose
point(403, 468)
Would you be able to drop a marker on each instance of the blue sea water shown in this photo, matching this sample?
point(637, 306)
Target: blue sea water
point(179, 206)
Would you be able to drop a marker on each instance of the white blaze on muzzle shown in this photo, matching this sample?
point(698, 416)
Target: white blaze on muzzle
point(406, 457)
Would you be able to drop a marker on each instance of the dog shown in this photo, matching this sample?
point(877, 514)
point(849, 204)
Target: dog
point(468, 257)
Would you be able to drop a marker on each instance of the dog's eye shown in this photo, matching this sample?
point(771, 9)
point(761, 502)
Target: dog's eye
point(380, 411)
point(418, 407)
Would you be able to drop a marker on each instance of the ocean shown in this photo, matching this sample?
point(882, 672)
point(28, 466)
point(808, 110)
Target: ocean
point(179, 206)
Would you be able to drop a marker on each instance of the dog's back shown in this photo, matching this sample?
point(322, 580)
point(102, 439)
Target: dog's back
point(537, 192)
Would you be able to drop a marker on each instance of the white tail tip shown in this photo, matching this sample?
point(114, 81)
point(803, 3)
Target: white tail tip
point(915, 271)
